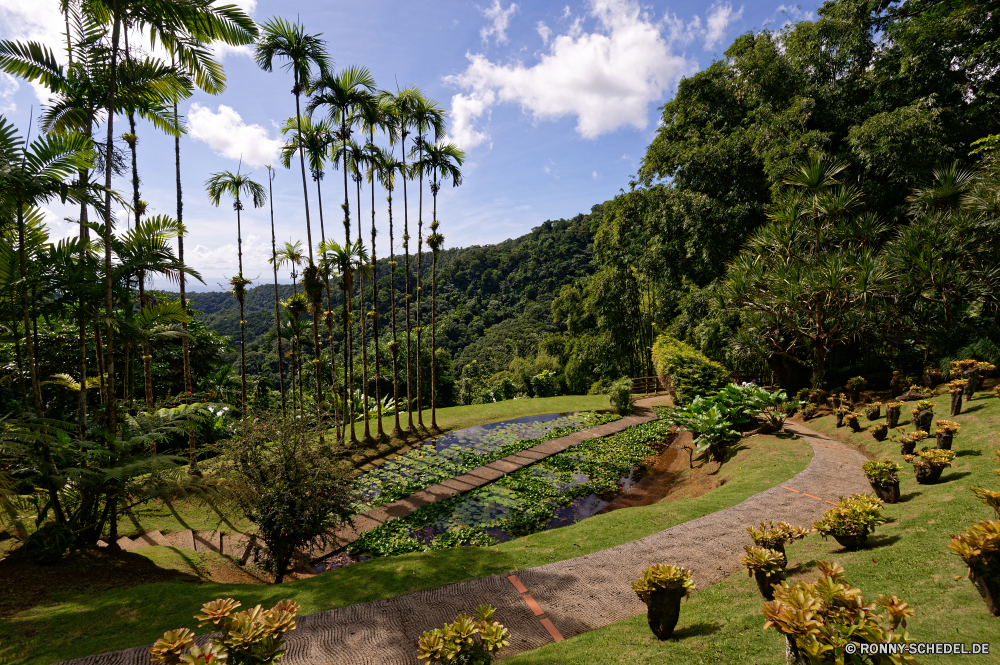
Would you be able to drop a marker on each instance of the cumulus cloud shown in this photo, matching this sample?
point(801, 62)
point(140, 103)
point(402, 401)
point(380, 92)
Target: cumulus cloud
point(606, 78)
point(8, 86)
point(226, 133)
point(500, 19)
point(720, 17)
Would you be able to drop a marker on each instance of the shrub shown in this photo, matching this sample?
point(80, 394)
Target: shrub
point(49, 544)
point(504, 389)
point(882, 473)
point(620, 393)
point(856, 515)
point(251, 637)
point(663, 576)
point(543, 384)
point(710, 424)
point(818, 617)
point(686, 371)
point(466, 641)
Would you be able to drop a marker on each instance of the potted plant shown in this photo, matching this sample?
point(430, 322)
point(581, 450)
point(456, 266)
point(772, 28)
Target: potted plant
point(853, 421)
point(945, 432)
point(929, 463)
point(661, 587)
point(979, 548)
point(879, 431)
point(884, 479)
point(897, 385)
point(932, 376)
point(775, 536)
point(956, 388)
point(834, 400)
point(839, 414)
point(851, 520)
point(908, 441)
point(817, 618)
point(892, 410)
point(854, 388)
point(808, 410)
point(873, 410)
point(923, 415)
point(766, 566)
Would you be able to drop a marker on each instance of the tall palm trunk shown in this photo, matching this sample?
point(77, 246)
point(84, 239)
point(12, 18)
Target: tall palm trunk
point(406, 274)
point(397, 430)
point(36, 390)
point(364, 345)
point(147, 357)
point(109, 304)
point(277, 312)
point(420, 251)
point(318, 177)
point(240, 296)
point(348, 327)
point(82, 398)
point(185, 343)
point(378, 367)
point(302, 162)
point(17, 357)
point(435, 247)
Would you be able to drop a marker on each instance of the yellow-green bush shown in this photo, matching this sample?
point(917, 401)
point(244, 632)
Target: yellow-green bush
point(686, 371)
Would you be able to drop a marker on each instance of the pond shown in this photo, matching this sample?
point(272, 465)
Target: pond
point(560, 490)
point(457, 452)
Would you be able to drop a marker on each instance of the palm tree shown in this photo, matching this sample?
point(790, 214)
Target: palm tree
point(406, 103)
point(341, 257)
point(384, 168)
point(443, 159)
point(426, 115)
point(277, 313)
point(237, 184)
point(291, 254)
point(282, 39)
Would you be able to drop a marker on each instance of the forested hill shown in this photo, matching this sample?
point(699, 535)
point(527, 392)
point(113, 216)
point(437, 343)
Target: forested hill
point(494, 301)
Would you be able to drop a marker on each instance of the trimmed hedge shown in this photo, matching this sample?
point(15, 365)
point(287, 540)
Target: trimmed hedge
point(685, 371)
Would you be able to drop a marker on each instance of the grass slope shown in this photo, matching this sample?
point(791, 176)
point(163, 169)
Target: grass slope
point(74, 626)
point(908, 557)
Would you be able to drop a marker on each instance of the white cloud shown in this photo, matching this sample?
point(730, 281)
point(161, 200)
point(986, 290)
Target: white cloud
point(593, 174)
point(8, 86)
point(545, 31)
point(226, 133)
point(500, 18)
point(547, 169)
point(606, 78)
point(794, 14)
point(223, 50)
point(719, 19)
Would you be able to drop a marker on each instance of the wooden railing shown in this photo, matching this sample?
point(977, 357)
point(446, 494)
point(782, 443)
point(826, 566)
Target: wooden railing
point(645, 385)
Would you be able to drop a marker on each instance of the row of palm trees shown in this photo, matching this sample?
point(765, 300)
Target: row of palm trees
point(106, 76)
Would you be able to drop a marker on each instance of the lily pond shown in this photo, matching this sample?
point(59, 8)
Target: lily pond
point(557, 491)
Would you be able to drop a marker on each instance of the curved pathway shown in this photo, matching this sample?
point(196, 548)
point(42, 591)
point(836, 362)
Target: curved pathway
point(566, 598)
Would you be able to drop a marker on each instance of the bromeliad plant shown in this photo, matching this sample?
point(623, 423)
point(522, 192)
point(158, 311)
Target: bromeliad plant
point(923, 415)
point(820, 618)
point(251, 637)
point(979, 548)
point(469, 640)
point(929, 463)
point(775, 536)
point(766, 566)
point(892, 410)
point(661, 587)
point(884, 478)
point(852, 520)
point(945, 433)
point(908, 440)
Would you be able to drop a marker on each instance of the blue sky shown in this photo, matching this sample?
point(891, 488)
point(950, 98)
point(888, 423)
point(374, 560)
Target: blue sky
point(554, 104)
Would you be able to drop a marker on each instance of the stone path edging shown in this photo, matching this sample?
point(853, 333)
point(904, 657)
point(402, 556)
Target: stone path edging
point(575, 595)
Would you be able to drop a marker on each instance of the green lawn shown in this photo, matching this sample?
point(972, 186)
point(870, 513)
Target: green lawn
point(78, 625)
point(909, 558)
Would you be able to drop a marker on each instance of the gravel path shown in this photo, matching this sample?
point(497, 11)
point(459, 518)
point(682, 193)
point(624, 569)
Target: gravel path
point(566, 598)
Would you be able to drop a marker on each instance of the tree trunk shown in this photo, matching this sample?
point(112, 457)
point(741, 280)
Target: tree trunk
point(378, 367)
point(108, 236)
point(240, 296)
point(20, 365)
point(397, 430)
point(361, 319)
point(302, 163)
point(36, 390)
point(277, 312)
point(434, 267)
point(147, 358)
point(420, 251)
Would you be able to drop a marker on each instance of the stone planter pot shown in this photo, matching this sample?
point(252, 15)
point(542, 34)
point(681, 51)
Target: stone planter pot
point(880, 432)
point(873, 412)
point(764, 583)
point(944, 440)
point(840, 418)
point(974, 377)
point(892, 416)
point(888, 493)
point(853, 424)
point(956, 403)
point(835, 401)
point(927, 474)
point(851, 542)
point(906, 447)
point(854, 395)
point(989, 589)
point(923, 420)
point(794, 655)
point(663, 610)
point(932, 377)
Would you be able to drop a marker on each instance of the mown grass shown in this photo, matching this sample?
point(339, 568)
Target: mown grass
point(75, 626)
point(909, 557)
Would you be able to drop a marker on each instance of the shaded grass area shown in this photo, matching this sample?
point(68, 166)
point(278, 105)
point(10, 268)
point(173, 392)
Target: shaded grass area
point(80, 625)
point(908, 557)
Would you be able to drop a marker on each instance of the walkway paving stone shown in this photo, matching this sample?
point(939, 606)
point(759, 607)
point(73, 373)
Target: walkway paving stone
point(575, 595)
